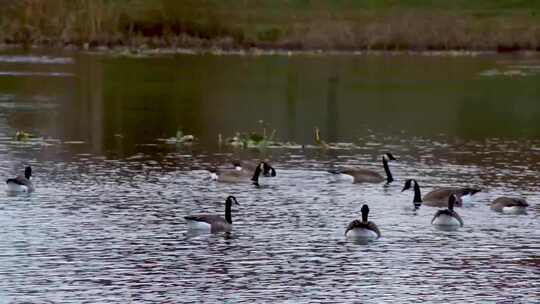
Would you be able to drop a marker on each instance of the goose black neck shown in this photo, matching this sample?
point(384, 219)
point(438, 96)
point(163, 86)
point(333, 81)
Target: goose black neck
point(27, 172)
point(364, 216)
point(451, 204)
point(389, 177)
point(228, 216)
point(256, 174)
point(417, 193)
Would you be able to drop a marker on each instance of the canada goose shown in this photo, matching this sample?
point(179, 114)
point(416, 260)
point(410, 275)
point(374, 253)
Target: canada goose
point(363, 229)
point(448, 217)
point(213, 222)
point(21, 183)
point(417, 200)
point(510, 205)
point(244, 165)
point(235, 176)
point(438, 197)
point(359, 175)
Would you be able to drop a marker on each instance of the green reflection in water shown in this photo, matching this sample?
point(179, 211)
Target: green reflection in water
point(148, 98)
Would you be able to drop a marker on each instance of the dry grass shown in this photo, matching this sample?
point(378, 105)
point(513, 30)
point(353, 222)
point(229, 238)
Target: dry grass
point(191, 23)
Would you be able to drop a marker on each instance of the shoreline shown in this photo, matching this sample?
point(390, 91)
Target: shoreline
point(274, 27)
point(145, 51)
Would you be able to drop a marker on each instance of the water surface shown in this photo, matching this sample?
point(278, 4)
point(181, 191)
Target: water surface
point(106, 222)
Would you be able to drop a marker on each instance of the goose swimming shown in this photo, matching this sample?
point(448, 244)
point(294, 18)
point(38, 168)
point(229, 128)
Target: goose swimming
point(249, 166)
point(510, 205)
point(236, 176)
point(21, 183)
point(438, 197)
point(448, 217)
point(363, 229)
point(213, 222)
point(360, 175)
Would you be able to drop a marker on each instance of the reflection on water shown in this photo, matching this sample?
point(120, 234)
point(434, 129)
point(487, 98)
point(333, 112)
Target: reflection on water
point(106, 221)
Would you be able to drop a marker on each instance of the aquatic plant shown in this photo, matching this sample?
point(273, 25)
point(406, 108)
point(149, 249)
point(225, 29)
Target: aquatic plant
point(263, 140)
point(255, 140)
point(23, 136)
point(181, 138)
point(318, 139)
point(499, 25)
point(251, 139)
point(26, 138)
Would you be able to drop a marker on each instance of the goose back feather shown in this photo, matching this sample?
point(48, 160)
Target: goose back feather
point(509, 204)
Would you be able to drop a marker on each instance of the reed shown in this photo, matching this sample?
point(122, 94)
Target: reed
point(293, 24)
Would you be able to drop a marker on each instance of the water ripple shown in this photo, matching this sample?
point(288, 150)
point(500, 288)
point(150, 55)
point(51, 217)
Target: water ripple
point(101, 231)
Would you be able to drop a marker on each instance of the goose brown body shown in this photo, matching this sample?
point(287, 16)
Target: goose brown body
point(247, 167)
point(508, 202)
point(361, 175)
point(215, 222)
point(238, 176)
point(439, 197)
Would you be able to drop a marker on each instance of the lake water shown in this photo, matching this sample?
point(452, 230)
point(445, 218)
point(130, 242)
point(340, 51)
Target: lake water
point(105, 224)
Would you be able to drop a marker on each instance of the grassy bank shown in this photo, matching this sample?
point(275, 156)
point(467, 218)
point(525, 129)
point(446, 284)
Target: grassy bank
point(293, 24)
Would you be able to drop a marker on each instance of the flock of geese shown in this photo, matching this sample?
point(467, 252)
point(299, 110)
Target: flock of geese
point(363, 229)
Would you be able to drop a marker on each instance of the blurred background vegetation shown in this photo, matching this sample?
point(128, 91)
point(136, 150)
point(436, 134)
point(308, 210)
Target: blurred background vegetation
point(291, 24)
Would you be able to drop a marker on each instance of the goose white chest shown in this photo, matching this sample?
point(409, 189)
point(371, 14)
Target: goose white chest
point(446, 220)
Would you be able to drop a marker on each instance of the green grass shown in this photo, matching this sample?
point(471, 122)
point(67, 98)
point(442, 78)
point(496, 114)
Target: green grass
point(305, 24)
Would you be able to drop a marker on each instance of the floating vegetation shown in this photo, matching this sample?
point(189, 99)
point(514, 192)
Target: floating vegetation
point(286, 145)
point(234, 141)
point(333, 146)
point(23, 136)
point(247, 140)
point(514, 71)
point(30, 74)
point(251, 139)
point(12, 102)
point(26, 138)
point(318, 139)
point(180, 138)
point(36, 59)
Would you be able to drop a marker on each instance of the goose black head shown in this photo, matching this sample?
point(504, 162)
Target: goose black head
point(417, 200)
point(521, 202)
point(231, 199)
point(452, 199)
point(27, 172)
point(365, 212)
point(389, 156)
point(407, 185)
point(228, 203)
point(268, 170)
